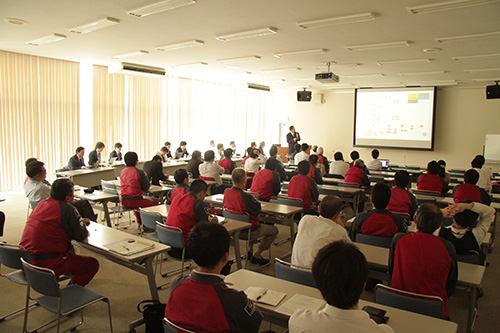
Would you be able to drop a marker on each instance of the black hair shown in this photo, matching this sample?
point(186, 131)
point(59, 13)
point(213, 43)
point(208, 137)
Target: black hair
point(433, 168)
point(340, 271)
point(313, 159)
point(196, 155)
point(466, 218)
point(253, 154)
point(330, 206)
point(442, 168)
point(197, 186)
point(291, 127)
point(238, 175)
point(79, 149)
point(164, 149)
point(273, 151)
point(477, 163)
point(428, 218)
point(375, 153)
point(99, 145)
point(271, 164)
point(34, 168)
point(249, 150)
point(471, 176)
point(231, 143)
point(131, 158)
point(156, 158)
point(180, 175)
point(228, 152)
point(297, 147)
point(338, 156)
point(253, 144)
point(304, 146)
point(183, 143)
point(303, 167)
point(29, 161)
point(166, 144)
point(209, 155)
point(354, 155)
point(208, 242)
point(381, 195)
point(61, 188)
point(402, 178)
point(220, 145)
point(118, 145)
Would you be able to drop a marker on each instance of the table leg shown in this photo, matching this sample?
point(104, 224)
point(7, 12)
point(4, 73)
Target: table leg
point(472, 309)
point(236, 244)
point(148, 265)
point(106, 213)
point(356, 202)
point(292, 233)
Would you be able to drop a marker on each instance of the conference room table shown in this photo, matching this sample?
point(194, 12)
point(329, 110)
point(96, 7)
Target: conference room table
point(348, 194)
point(153, 189)
point(99, 197)
point(399, 320)
point(234, 228)
point(469, 275)
point(88, 177)
point(100, 237)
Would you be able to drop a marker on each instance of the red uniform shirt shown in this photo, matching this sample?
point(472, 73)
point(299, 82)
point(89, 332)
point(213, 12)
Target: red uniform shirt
point(354, 175)
point(428, 182)
point(467, 192)
point(262, 184)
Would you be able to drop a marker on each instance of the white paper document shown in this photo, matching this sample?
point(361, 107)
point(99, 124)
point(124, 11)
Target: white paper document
point(299, 301)
point(129, 247)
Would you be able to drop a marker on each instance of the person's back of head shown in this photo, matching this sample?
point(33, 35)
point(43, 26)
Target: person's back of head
point(303, 167)
point(271, 164)
point(359, 163)
point(220, 145)
point(228, 153)
point(254, 153)
point(183, 143)
point(180, 175)
point(480, 158)
point(433, 168)
point(471, 176)
point(330, 206)
point(79, 149)
point(99, 145)
point(402, 178)
point(273, 151)
point(320, 150)
point(130, 158)
point(253, 144)
point(29, 161)
point(34, 169)
point(338, 156)
point(118, 145)
point(297, 147)
point(249, 151)
point(313, 159)
point(262, 144)
point(164, 150)
point(61, 188)
point(166, 144)
point(340, 271)
point(238, 176)
point(375, 153)
point(428, 218)
point(381, 195)
point(197, 186)
point(196, 155)
point(212, 142)
point(208, 243)
point(304, 147)
point(354, 155)
point(156, 158)
point(466, 218)
point(477, 163)
point(209, 156)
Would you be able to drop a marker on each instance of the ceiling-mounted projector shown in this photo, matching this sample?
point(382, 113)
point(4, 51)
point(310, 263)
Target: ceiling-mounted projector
point(328, 77)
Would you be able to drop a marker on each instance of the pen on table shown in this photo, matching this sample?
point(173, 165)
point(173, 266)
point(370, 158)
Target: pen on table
point(260, 296)
point(126, 248)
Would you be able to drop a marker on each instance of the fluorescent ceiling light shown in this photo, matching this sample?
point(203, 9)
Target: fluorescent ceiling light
point(468, 37)
point(437, 83)
point(275, 81)
point(247, 34)
point(93, 26)
point(487, 80)
point(159, 7)
point(279, 70)
point(299, 87)
point(238, 60)
point(448, 5)
point(337, 20)
point(482, 70)
point(182, 45)
point(15, 21)
point(130, 54)
point(296, 53)
point(422, 73)
point(193, 64)
point(480, 56)
point(377, 46)
point(362, 76)
point(404, 62)
point(383, 85)
point(46, 40)
point(340, 86)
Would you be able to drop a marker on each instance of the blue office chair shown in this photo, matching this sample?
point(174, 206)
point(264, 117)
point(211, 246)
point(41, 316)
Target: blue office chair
point(236, 215)
point(376, 179)
point(170, 327)
point(421, 200)
point(351, 185)
point(290, 201)
point(374, 240)
point(149, 221)
point(428, 193)
point(285, 271)
point(110, 187)
point(62, 302)
point(328, 191)
point(473, 257)
point(172, 236)
point(424, 304)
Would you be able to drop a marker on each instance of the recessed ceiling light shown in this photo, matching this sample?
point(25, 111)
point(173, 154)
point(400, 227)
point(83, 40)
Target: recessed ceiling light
point(159, 7)
point(437, 83)
point(247, 34)
point(468, 37)
point(183, 45)
point(193, 64)
point(362, 76)
point(377, 46)
point(130, 54)
point(448, 5)
point(383, 85)
point(15, 21)
point(479, 56)
point(337, 20)
point(432, 50)
point(46, 40)
point(238, 60)
point(481, 70)
point(422, 73)
point(303, 52)
point(279, 70)
point(93, 26)
point(404, 62)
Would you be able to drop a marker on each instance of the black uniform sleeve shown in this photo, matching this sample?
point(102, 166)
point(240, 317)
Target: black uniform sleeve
point(281, 172)
point(414, 205)
point(241, 313)
point(201, 210)
point(400, 222)
point(159, 171)
point(276, 183)
point(392, 251)
point(314, 189)
point(92, 157)
point(366, 180)
point(356, 225)
point(143, 178)
point(485, 197)
point(298, 136)
point(327, 165)
point(72, 222)
point(233, 165)
point(252, 205)
point(317, 176)
point(451, 282)
point(169, 153)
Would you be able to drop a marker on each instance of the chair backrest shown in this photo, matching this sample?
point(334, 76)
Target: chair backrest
point(235, 215)
point(284, 185)
point(254, 194)
point(170, 235)
point(109, 187)
point(428, 193)
point(2, 223)
point(411, 167)
point(290, 201)
point(285, 271)
point(376, 179)
point(10, 255)
point(473, 257)
point(423, 304)
point(403, 214)
point(457, 171)
point(42, 280)
point(149, 219)
point(170, 327)
point(328, 191)
point(352, 185)
point(374, 240)
point(421, 201)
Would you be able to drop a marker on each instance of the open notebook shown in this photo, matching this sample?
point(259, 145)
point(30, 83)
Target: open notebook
point(128, 247)
point(265, 296)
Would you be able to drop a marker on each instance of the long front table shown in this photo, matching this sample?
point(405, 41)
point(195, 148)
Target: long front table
point(89, 177)
point(98, 197)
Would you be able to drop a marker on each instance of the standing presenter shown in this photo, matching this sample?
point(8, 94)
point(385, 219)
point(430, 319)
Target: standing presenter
point(292, 138)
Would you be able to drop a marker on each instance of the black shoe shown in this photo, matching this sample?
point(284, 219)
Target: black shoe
point(260, 261)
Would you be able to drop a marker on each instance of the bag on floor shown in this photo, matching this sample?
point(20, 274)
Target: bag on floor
point(153, 313)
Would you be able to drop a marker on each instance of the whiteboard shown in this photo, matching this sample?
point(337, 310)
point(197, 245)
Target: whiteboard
point(492, 147)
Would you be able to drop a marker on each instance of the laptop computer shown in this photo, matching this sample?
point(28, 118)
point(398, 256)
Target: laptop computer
point(385, 163)
point(112, 160)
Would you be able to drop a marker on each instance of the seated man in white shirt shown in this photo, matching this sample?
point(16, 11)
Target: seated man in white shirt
point(252, 165)
point(302, 156)
point(338, 167)
point(317, 231)
point(485, 174)
point(375, 164)
point(34, 188)
point(210, 170)
point(340, 271)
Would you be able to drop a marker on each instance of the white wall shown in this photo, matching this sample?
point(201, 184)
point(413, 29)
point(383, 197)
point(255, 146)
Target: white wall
point(463, 117)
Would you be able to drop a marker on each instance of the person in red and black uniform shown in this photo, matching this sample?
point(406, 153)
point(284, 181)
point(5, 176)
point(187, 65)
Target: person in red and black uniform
point(188, 210)
point(266, 182)
point(314, 172)
point(431, 181)
point(357, 175)
point(182, 180)
point(49, 231)
point(380, 221)
point(402, 200)
point(249, 150)
point(133, 183)
point(227, 163)
point(154, 170)
point(202, 302)
point(237, 200)
point(422, 263)
point(469, 190)
point(303, 187)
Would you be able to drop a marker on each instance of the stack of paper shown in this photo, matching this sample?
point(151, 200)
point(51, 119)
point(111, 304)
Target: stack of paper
point(129, 247)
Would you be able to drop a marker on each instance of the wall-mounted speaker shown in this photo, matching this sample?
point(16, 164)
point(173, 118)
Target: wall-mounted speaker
point(493, 91)
point(304, 96)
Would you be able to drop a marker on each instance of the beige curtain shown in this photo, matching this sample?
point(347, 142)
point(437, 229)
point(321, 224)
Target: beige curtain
point(39, 112)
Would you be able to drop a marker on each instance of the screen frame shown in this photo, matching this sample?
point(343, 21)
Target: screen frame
point(393, 147)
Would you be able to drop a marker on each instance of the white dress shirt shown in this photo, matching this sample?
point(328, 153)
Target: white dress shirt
point(36, 191)
point(314, 233)
point(338, 168)
point(253, 164)
point(331, 319)
point(302, 156)
point(374, 165)
point(211, 169)
point(484, 181)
